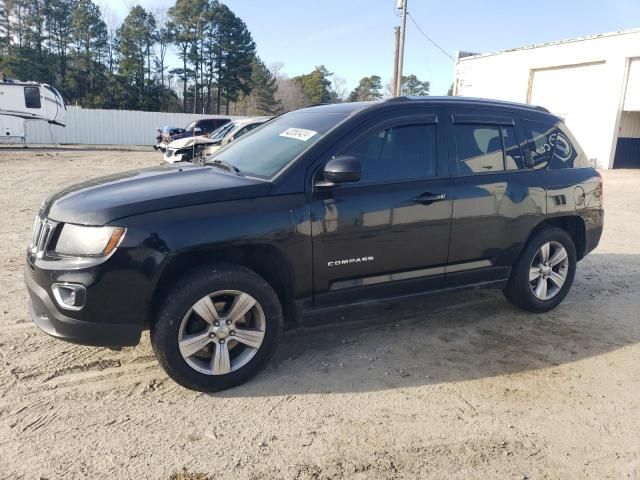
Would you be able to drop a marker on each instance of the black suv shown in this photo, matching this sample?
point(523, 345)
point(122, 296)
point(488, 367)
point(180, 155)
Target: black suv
point(320, 208)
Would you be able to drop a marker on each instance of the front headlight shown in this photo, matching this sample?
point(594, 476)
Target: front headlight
point(83, 241)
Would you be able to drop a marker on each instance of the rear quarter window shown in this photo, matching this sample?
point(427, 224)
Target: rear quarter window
point(554, 147)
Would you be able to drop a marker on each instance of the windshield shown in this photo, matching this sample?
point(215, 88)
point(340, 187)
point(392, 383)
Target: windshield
point(267, 149)
point(189, 127)
point(220, 132)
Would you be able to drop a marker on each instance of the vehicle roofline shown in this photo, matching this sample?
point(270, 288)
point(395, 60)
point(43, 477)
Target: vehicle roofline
point(360, 107)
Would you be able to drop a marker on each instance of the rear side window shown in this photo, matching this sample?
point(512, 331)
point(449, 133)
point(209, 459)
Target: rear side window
point(479, 149)
point(398, 153)
point(32, 97)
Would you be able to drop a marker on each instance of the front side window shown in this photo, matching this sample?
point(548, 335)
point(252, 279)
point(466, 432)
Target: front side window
point(479, 149)
point(398, 153)
point(32, 97)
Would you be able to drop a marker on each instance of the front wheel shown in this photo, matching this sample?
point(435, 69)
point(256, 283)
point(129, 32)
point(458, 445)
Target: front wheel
point(217, 328)
point(543, 274)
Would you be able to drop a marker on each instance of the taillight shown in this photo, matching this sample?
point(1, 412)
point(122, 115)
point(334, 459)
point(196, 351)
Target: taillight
point(600, 187)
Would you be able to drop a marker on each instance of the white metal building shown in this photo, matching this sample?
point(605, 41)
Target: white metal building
point(592, 82)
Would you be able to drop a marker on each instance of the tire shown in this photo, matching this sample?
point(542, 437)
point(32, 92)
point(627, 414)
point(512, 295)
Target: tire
point(179, 319)
point(525, 289)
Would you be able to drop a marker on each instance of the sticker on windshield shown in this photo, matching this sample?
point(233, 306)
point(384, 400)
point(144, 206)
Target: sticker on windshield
point(298, 133)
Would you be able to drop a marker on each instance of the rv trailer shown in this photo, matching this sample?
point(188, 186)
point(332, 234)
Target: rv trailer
point(21, 101)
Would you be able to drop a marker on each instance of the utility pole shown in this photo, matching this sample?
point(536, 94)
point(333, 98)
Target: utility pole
point(394, 82)
point(401, 57)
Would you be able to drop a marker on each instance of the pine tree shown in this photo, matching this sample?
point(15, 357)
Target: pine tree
point(264, 89)
point(316, 85)
point(369, 88)
point(411, 85)
point(136, 37)
point(183, 26)
point(235, 51)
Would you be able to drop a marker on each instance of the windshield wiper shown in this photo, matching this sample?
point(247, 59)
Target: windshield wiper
point(223, 164)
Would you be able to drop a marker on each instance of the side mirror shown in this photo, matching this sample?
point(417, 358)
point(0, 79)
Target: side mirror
point(528, 159)
point(341, 169)
point(197, 130)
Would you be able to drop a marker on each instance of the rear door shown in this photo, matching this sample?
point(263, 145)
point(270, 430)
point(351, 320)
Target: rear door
point(497, 200)
point(388, 233)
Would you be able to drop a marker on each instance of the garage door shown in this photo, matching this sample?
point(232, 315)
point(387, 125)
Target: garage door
point(571, 92)
point(632, 97)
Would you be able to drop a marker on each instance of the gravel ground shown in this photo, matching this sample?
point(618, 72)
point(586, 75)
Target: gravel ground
point(461, 386)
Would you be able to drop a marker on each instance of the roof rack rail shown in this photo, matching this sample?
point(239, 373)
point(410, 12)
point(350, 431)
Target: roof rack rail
point(397, 99)
point(317, 104)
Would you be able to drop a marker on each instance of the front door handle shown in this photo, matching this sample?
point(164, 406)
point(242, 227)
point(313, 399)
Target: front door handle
point(429, 198)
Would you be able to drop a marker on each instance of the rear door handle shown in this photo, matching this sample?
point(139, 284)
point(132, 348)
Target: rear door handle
point(428, 198)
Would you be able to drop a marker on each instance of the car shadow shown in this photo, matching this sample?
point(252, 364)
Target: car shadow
point(457, 337)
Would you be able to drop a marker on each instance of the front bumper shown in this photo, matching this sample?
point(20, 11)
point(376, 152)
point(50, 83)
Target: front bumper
point(50, 319)
point(171, 156)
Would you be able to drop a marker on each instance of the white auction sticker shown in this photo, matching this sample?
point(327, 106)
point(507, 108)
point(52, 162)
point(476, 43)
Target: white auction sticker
point(298, 134)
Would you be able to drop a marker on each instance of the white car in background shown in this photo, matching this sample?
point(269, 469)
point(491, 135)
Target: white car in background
point(197, 149)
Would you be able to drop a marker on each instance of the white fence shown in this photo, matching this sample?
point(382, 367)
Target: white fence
point(107, 127)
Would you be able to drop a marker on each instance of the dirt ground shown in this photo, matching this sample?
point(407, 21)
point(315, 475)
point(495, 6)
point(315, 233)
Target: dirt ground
point(462, 386)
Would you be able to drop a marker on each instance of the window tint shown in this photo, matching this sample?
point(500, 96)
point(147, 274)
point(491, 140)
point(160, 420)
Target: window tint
point(542, 138)
point(479, 149)
point(397, 153)
point(567, 152)
point(32, 97)
point(207, 125)
point(513, 154)
point(269, 149)
point(246, 129)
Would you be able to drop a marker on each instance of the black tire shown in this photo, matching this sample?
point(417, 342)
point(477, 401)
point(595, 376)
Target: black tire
point(519, 291)
point(187, 291)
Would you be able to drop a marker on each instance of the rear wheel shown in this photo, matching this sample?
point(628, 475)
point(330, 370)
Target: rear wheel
point(217, 328)
point(543, 274)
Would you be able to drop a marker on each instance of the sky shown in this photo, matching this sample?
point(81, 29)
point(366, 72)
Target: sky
point(354, 38)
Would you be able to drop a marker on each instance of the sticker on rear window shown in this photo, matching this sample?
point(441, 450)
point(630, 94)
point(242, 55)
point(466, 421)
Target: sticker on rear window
point(298, 133)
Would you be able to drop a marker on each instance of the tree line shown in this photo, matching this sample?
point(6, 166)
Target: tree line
point(96, 63)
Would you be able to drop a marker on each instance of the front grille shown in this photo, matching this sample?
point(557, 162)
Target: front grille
point(43, 230)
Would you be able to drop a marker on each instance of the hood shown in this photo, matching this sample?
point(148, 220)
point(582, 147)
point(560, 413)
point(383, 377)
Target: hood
point(105, 199)
point(190, 142)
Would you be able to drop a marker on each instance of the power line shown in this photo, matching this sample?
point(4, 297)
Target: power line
point(429, 38)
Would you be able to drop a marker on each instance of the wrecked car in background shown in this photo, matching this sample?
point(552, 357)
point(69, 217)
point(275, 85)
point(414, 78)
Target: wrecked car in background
point(197, 148)
point(203, 127)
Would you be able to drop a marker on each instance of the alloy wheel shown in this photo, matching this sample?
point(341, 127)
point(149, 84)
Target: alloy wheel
point(222, 332)
point(548, 270)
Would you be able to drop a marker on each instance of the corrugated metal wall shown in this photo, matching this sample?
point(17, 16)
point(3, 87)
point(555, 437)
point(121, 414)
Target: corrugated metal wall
point(107, 127)
point(630, 125)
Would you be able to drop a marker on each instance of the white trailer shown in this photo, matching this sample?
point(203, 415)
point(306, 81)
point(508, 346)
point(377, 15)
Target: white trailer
point(22, 101)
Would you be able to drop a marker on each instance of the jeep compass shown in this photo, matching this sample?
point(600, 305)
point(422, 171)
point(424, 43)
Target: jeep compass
point(316, 210)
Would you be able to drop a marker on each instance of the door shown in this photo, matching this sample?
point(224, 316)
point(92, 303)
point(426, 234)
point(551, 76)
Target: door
point(388, 233)
point(497, 201)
